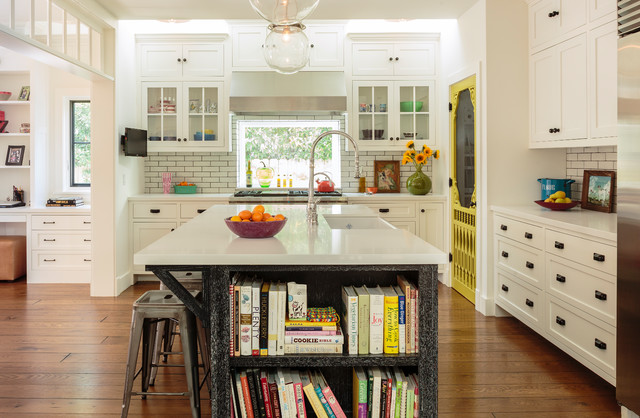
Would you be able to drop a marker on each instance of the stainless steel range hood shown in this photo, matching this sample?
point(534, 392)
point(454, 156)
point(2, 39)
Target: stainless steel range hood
point(303, 92)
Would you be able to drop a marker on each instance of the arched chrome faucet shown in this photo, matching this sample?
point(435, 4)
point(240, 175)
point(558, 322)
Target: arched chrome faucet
point(312, 215)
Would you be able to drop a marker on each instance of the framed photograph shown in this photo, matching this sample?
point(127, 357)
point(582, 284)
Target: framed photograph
point(386, 176)
point(597, 190)
point(15, 154)
point(24, 93)
point(3, 125)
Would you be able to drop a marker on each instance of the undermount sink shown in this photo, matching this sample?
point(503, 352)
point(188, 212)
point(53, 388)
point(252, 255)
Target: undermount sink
point(356, 222)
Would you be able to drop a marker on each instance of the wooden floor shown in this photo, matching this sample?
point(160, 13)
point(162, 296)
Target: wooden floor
point(63, 353)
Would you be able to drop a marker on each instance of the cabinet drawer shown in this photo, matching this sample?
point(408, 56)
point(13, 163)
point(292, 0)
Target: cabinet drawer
point(60, 222)
point(592, 254)
point(589, 290)
point(593, 340)
point(520, 231)
point(525, 262)
point(394, 210)
point(42, 260)
point(155, 210)
point(61, 240)
point(406, 225)
point(193, 209)
point(523, 302)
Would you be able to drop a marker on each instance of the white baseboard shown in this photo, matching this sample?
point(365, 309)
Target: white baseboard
point(59, 276)
point(625, 413)
point(123, 282)
point(485, 306)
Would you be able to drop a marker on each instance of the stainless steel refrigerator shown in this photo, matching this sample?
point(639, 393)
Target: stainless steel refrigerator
point(628, 329)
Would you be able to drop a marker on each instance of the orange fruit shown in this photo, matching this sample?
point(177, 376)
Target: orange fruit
point(266, 216)
point(256, 217)
point(271, 219)
point(258, 208)
point(244, 214)
point(246, 220)
point(279, 217)
point(235, 219)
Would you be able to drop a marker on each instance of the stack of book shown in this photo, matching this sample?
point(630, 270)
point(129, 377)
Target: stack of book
point(381, 392)
point(281, 393)
point(65, 201)
point(381, 319)
point(259, 324)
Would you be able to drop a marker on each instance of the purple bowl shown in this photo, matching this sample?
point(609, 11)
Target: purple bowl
point(255, 229)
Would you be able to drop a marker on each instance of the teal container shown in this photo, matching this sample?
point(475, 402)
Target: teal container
point(184, 189)
point(550, 186)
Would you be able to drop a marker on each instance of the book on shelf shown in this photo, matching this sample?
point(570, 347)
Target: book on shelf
point(312, 396)
point(282, 311)
point(359, 393)
point(239, 393)
point(259, 398)
point(236, 316)
point(256, 287)
point(389, 394)
point(405, 286)
point(245, 317)
point(253, 393)
point(297, 300)
point(273, 396)
point(282, 393)
point(363, 319)
point(313, 348)
point(329, 396)
point(264, 386)
point(272, 330)
point(376, 391)
point(323, 400)
point(417, 322)
point(350, 314)
point(401, 395)
point(311, 338)
point(376, 320)
point(291, 396)
point(246, 394)
point(67, 200)
point(264, 319)
point(231, 322)
point(391, 333)
point(402, 320)
point(313, 333)
point(383, 392)
point(303, 323)
point(411, 397)
point(394, 396)
point(63, 205)
point(299, 394)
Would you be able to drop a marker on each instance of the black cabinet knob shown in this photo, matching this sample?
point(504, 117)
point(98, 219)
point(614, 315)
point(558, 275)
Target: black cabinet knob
point(390, 58)
point(397, 138)
point(154, 210)
point(422, 210)
point(529, 303)
point(201, 210)
point(600, 295)
point(528, 235)
point(505, 287)
point(179, 139)
point(179, 59)
point(184, 60)
point(312, 45)
point(550, 130)
point(560, 321)
point(598, 257)
point(529, 264)
point(505, 254)
point(559, 245)
point(503, 227)
point(600, 344)
point(560, 278)
point(397, 58)
point(173, 229)
point(391, 139)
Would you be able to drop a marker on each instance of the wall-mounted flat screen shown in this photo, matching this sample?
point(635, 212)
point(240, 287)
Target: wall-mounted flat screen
point(134, 142)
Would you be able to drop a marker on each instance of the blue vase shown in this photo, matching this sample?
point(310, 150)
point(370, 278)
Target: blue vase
point(419, 183)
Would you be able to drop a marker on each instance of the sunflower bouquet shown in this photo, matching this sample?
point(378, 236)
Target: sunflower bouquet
point(418, 158)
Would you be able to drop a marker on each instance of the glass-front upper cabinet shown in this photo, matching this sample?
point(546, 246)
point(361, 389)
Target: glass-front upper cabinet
point(184, 116)
point(388, 114)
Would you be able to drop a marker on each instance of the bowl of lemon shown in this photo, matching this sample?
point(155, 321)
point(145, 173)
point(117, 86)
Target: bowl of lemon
point(558, 201)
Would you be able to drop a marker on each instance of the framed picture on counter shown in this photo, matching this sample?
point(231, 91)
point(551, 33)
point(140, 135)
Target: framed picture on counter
point(386, 176)
point(597, 190)
point(25, 92)
point(15, 154)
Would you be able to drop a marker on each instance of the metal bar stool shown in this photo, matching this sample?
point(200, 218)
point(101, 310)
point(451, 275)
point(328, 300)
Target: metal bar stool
point(151, 308)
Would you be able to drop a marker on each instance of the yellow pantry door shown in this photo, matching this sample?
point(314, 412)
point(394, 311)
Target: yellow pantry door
point(463, 186)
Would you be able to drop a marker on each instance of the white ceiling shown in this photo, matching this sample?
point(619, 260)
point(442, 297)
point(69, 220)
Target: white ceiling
point(327, 9)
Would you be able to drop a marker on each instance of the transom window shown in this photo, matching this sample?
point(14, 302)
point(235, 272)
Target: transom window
point(80, 166)
point(285, 146)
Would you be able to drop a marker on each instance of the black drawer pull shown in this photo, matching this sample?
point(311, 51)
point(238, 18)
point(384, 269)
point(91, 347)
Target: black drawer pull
point(201, 210)
point(505, 254)
point(87, 259)
point(503, 227)
point(559, 245)
point(87, 240)
point(601, 344)
point(173, 229)
point(560, 321)
point(529, 303)
point(560, 278)
point(383, 210)
point(600, 295)
point(49, 222)
point(529, 265)
point(154, 210)
point(87, 222)
point(598, 257)
point(528, 235)
point(49, 259)
point(505, 287)
point(49, 240)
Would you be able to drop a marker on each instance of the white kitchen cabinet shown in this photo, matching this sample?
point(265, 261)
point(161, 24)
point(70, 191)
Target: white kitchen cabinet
point(247, 43)
point(176, 61)
point(559, 92)
point(599, 9)
point(144, 233)
point(184, 116)
point(388, 114)
point(431, 223)
point(394, 59)
point(603, 88)
point(327, 47)
point(550, 20)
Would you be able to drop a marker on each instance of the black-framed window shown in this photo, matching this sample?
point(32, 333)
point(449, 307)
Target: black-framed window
point(80, 166)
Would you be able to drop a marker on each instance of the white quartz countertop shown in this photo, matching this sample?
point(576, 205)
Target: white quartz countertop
point(589, 222)
point(206, 240)
point(351, 197)
point(44, 210)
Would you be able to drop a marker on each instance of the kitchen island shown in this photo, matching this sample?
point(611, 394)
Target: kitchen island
point(339, 250)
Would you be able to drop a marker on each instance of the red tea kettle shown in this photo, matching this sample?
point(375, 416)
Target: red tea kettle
point(326, 185)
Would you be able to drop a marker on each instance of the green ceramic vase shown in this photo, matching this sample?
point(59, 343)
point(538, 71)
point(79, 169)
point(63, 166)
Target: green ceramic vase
point(419, 183)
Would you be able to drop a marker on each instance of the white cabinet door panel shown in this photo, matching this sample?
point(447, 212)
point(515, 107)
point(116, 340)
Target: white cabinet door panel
point(573, 84)
point(545, 103)
point(372, 59)
point(203, 60)
point(415, 59)
point(161, 60)
point(326, 46)
point(247, 47)
point(603, 101)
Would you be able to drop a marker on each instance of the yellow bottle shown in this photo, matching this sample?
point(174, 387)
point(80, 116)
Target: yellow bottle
point(290, 180)
point(249, 174)
point(278, 182)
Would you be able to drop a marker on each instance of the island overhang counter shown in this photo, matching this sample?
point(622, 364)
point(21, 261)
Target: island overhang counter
point(324, 258)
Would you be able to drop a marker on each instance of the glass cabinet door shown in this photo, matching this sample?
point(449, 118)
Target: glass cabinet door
point(203, 105)
point(372, 111)
point(414, 108)
point(162, 107)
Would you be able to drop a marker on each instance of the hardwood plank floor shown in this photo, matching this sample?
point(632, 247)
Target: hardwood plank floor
point(63, 353)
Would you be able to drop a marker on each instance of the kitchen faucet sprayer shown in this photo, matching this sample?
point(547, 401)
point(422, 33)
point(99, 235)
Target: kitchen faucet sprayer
point(312, 215)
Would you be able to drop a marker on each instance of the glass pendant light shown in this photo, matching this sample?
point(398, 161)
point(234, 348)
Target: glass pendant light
point(286, 48)
point(284, 12)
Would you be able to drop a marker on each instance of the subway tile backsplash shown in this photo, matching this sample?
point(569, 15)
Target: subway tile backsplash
point(590, 158)
point(215, 172)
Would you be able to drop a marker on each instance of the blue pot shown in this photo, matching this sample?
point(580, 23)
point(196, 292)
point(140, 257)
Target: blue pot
point(550, 186)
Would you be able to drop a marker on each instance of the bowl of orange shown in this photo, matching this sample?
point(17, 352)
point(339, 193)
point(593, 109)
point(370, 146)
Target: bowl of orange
point(255, 223)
